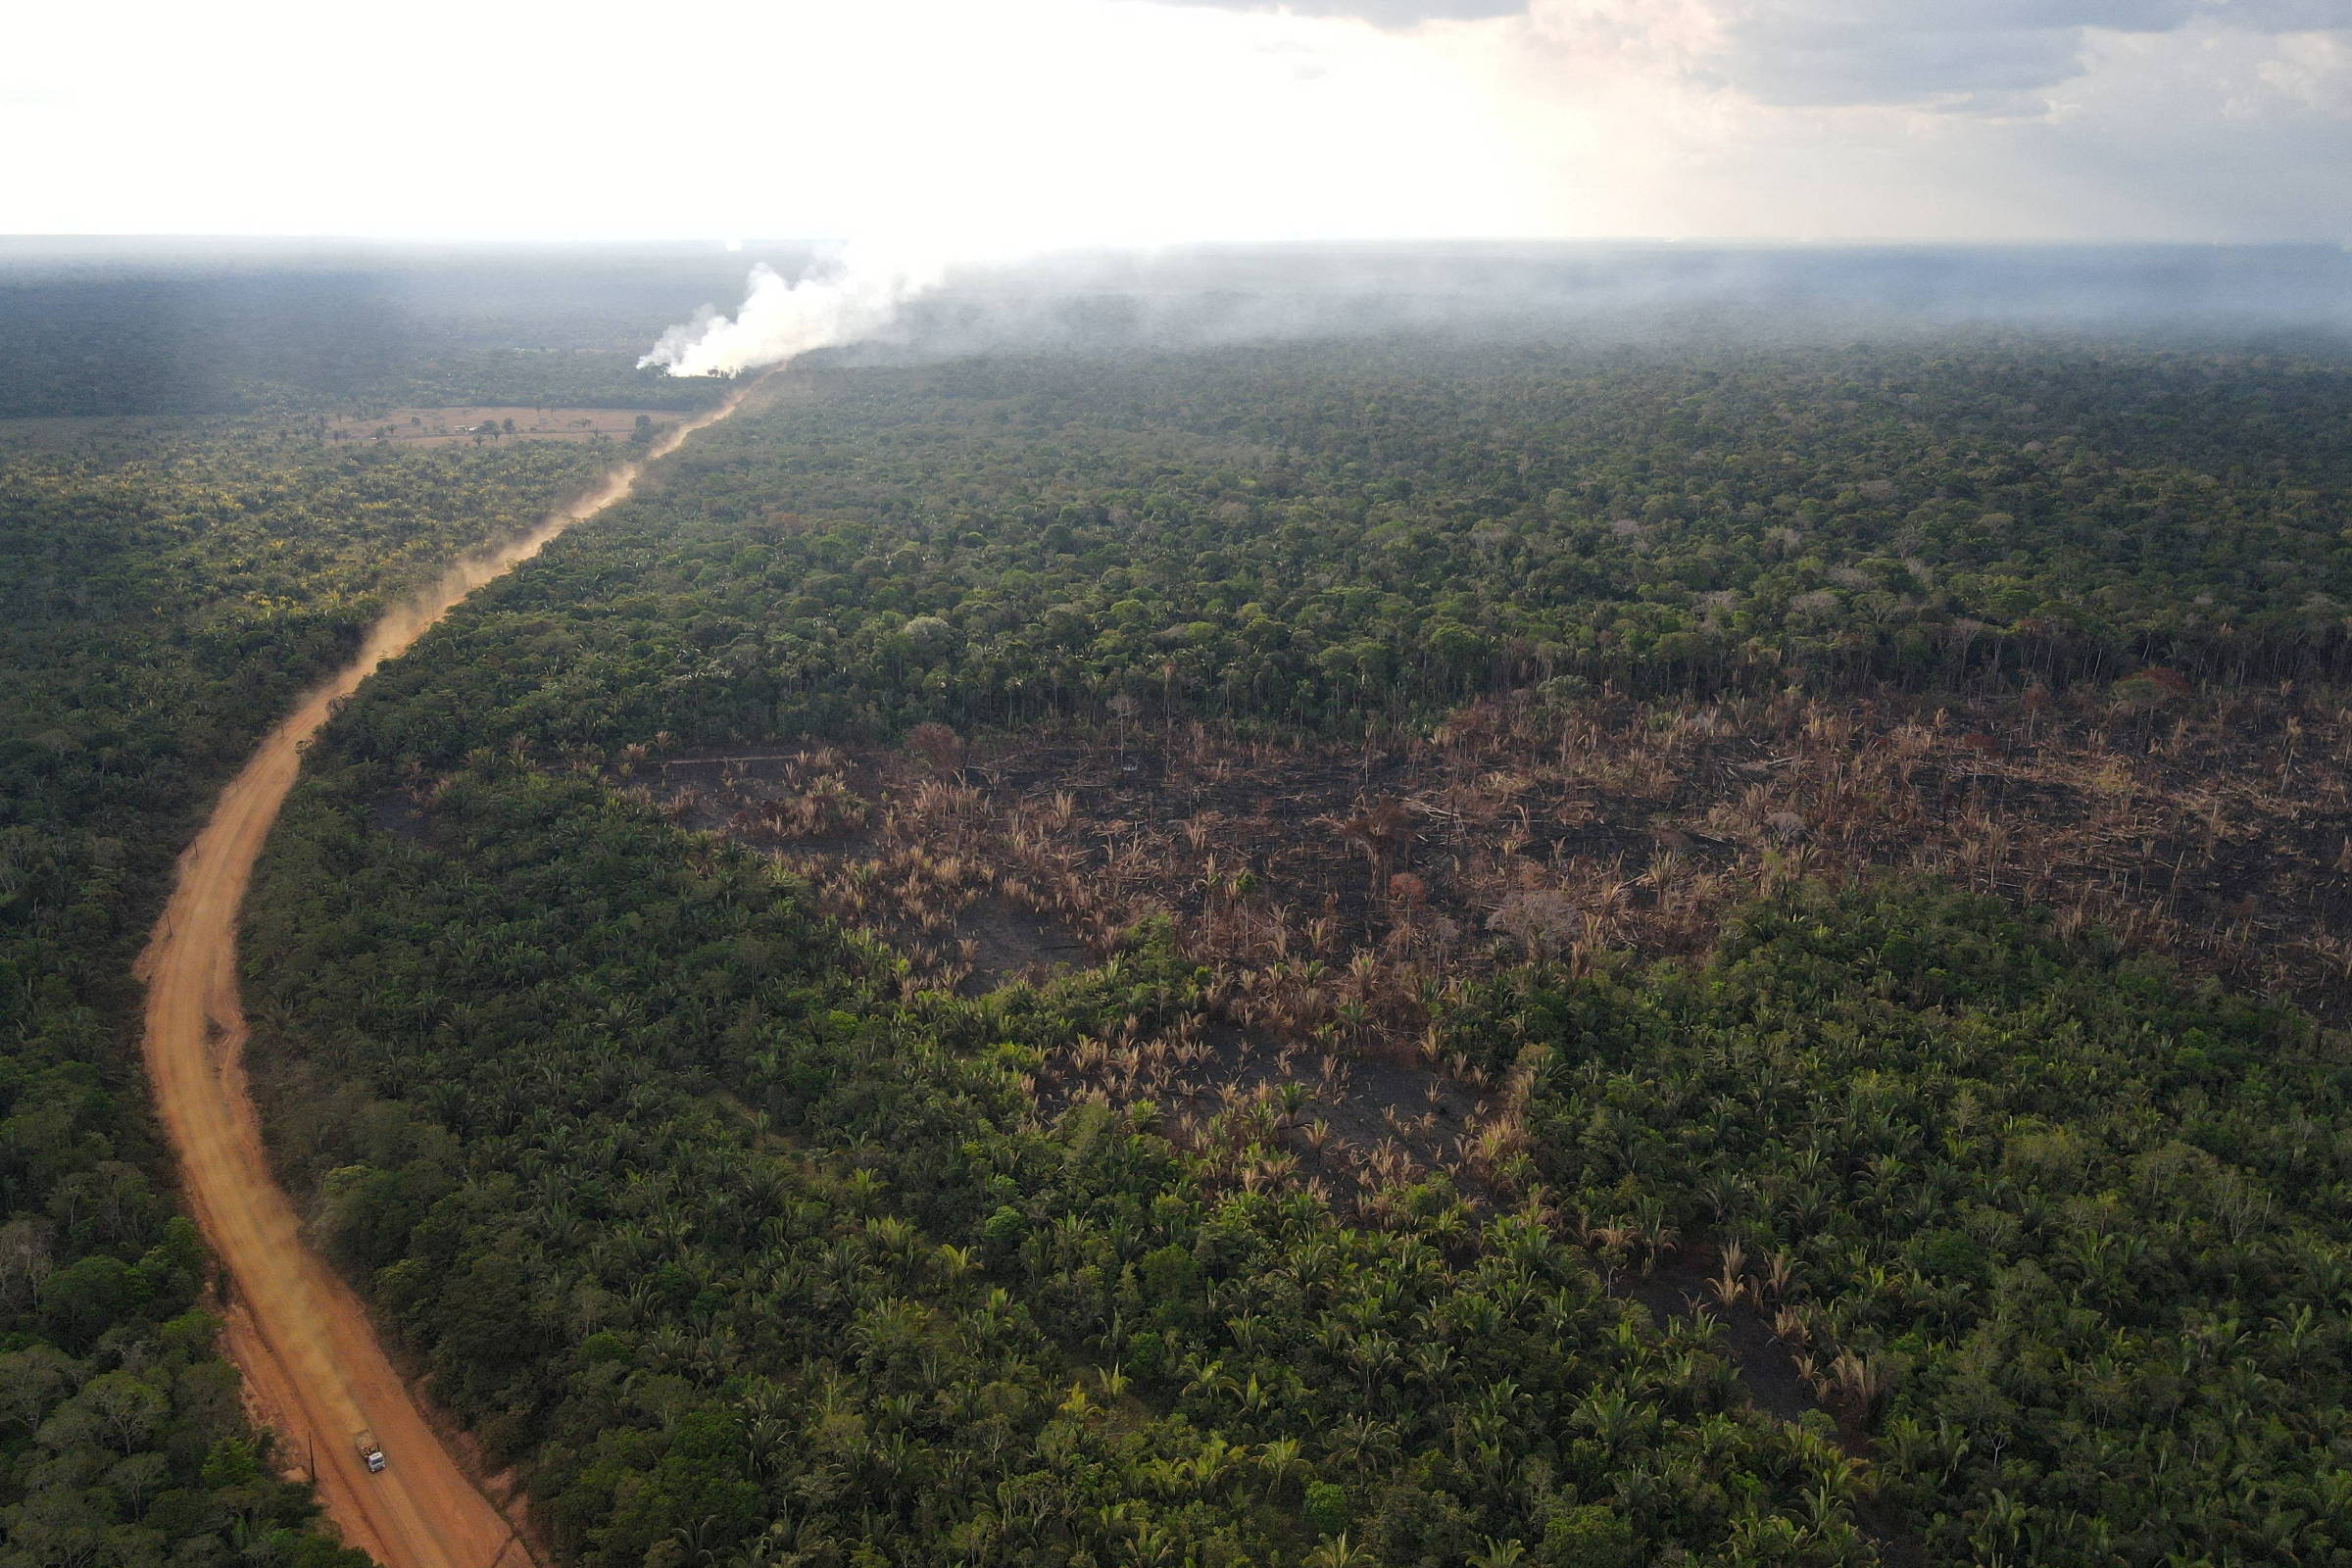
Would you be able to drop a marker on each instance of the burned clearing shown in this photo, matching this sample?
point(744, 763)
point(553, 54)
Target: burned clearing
point(2217, 831)
point(1337, 895)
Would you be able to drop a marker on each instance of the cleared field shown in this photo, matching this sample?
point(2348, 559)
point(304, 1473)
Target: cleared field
point(440, 426)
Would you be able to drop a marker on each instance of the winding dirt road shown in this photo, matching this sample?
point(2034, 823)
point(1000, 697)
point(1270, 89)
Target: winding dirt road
point(309, 1356)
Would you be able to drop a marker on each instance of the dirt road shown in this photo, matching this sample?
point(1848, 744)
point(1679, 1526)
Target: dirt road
point(309, 1356)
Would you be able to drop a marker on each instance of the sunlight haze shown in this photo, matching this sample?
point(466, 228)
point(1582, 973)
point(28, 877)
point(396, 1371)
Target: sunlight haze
point(1027, 125)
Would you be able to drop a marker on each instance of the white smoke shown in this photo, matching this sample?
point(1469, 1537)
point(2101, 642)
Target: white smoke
point(852, 294)
point(899, 311)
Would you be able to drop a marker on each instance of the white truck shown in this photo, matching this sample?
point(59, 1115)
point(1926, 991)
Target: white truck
point(371, 1452)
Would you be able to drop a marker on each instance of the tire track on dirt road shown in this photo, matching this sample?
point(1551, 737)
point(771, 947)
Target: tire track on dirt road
point(311, 1357)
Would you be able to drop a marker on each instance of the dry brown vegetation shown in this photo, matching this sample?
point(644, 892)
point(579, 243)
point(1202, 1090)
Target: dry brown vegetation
point(1334, 891)
point(445, 426)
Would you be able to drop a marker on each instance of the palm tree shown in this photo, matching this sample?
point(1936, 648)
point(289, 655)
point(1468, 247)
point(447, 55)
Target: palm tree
point(1338, 1553)
point(1280, 1459)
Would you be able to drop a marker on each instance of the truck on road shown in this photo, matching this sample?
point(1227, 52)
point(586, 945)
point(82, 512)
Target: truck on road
point(371, 1452)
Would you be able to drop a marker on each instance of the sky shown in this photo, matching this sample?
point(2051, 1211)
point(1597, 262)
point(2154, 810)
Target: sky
point(979, 128)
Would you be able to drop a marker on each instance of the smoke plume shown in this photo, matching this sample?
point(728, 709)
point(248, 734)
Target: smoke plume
point(879, 308)
point(853, 294)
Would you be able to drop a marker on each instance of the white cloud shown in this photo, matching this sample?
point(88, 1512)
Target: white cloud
point(2201, 132)
point(1965, 52)
point(2314, 70)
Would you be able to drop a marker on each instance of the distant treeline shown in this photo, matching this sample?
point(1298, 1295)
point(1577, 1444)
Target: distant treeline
point(212, 340)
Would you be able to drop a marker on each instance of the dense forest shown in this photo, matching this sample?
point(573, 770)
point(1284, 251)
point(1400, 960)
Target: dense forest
point(1579, 947)
point(1380, 953)
point(1339, 537)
